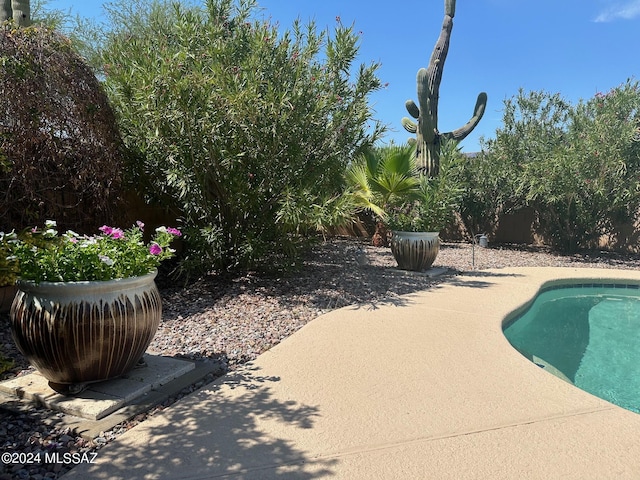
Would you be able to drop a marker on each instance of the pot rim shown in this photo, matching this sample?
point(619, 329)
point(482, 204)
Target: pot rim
point(405, 232)
point(115, 283)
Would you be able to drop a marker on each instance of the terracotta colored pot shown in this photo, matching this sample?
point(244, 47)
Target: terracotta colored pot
point(415, 251)
point(76, 333)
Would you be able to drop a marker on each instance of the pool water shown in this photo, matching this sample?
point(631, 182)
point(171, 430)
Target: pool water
point(587, 334)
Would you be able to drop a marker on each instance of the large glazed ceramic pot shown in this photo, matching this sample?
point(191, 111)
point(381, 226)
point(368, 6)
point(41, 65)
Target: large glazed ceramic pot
point(76, 333)
point(415, 251)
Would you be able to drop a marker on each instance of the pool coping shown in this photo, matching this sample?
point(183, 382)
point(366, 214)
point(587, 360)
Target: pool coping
point(567, 283)
point(423, 386)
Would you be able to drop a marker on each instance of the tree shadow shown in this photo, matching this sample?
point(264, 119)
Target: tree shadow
point(217, 432)
point(477, 278)
point(331, 278)
point(488, 274)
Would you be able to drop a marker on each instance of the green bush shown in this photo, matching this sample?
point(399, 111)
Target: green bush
point(247, 130)
point(577, 166)
point(482, 193)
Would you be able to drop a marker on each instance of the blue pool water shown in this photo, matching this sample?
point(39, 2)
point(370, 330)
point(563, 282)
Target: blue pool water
point(587, 334)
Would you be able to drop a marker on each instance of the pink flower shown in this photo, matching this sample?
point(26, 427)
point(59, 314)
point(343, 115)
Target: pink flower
point(155, 249)
point(112, 232)
point(117, 233)
point(140, 225)
point(174, 231)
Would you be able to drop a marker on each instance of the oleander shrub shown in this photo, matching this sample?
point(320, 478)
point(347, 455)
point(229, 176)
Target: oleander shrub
point(61, 156)
point(578, 165)
point(245, 128)
point(483, 180)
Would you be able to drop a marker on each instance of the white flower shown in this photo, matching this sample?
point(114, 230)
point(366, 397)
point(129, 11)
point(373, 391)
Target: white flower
point(50, 223)
point(86, 241)
point(106, 260)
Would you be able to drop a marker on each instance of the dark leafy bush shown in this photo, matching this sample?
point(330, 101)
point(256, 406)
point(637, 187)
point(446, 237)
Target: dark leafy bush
point(60, 151)
point(484, 194)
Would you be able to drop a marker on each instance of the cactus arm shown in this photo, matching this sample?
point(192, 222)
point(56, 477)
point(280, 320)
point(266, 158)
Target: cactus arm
point(428, 99)
point(412, 108)
point(478, 112)
point(409, 125)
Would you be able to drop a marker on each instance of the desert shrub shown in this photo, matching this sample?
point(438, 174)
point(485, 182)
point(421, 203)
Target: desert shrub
point(485, 191)
point(578, 165)
point(246, 129)
point(605, 133)
point(60, 151)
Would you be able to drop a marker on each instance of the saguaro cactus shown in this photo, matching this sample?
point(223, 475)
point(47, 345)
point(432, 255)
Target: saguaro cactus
point(428, 138)
point(19, 10)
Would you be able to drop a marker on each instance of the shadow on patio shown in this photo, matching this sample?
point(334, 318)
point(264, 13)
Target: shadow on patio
point(210, 435)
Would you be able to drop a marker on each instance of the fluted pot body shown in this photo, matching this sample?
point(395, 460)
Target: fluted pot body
point(415, 251)
point(83, 332)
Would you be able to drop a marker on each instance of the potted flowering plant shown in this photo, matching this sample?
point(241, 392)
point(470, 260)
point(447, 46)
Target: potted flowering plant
point(87, 307)
point(43, 255)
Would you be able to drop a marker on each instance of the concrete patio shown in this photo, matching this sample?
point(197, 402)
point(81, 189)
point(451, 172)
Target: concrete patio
point(425, 386)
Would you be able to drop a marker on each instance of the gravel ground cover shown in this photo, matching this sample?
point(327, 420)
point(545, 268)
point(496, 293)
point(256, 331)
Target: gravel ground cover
point(231, 320)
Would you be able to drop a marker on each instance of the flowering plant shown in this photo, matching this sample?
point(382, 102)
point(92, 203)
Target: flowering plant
point(45, 256)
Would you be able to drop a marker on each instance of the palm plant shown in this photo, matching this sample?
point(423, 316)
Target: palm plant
point(382, 175)
point(387, 182)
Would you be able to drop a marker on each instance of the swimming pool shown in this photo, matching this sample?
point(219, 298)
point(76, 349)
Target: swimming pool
point(587, 334)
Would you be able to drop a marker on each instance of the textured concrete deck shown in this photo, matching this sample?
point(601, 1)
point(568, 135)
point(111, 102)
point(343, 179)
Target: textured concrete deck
point(423, 387)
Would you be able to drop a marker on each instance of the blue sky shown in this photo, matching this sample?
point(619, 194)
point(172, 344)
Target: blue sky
point(573, 47)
